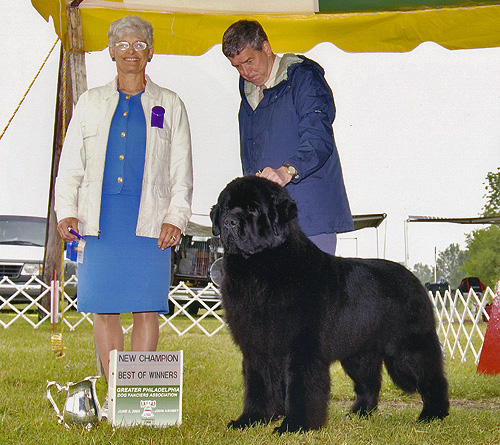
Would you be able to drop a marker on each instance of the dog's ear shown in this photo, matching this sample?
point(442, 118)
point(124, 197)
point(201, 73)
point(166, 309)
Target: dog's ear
point(286, 210)
point(214, 216)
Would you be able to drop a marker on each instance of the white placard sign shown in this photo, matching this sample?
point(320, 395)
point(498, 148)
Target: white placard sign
point(145, 388)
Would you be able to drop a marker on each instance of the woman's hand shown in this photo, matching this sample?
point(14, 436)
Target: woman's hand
point(64, 226)
point(170, 236)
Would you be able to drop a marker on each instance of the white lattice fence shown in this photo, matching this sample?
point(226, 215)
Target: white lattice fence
point(460, 317)
point(182, 299)
point(18, 313)
point(460, 321)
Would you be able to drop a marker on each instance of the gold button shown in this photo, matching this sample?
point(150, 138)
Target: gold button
point(120, 180)
point(126, 113)
point(123, 134)
point(122, 157)
point(127, 97)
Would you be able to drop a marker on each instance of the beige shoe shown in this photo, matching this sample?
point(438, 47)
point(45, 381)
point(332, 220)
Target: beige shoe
point(104, 409)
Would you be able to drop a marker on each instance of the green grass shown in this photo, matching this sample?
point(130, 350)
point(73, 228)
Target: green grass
point(213, 396)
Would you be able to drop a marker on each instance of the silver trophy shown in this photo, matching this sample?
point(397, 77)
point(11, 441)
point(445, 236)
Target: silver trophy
point(81, 405)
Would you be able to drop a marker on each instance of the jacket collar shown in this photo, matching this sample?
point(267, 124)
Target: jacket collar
point(287, 60)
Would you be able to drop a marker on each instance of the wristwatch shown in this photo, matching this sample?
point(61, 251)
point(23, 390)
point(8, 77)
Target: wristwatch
point(291, 170)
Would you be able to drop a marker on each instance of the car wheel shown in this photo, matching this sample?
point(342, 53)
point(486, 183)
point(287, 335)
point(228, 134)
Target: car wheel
point(171, 307)
point(192, 309)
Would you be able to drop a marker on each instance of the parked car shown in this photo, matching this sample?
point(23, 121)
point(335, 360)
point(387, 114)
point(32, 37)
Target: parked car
point(473, 283)
point(478, 287)
point(440, 286)
point(22, 243)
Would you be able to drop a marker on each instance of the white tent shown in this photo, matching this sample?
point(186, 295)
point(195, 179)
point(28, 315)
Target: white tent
point(416, 131)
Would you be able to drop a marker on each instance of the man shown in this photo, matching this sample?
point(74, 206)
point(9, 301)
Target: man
point(286, 116)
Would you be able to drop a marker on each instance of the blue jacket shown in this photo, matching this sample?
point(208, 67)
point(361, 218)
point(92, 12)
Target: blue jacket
point(293, 125)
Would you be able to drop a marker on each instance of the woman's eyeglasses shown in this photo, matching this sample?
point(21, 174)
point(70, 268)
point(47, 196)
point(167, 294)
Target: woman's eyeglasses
point(138, 46)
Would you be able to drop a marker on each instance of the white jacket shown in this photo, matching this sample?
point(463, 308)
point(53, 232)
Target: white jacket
point(167, 184)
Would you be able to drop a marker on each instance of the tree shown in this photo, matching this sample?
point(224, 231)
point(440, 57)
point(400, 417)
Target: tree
point(423, 272)
point(483, 247)
point(449, 267)
point(492, 206)
point(449, 264)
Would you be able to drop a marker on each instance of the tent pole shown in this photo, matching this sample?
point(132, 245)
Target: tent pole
point(76, 53)
point(407, 247)
point(72, 82)
point(52, 258)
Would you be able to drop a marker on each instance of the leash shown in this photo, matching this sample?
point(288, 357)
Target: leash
point(57, 340)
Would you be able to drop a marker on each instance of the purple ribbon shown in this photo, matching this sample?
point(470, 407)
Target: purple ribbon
point(157, 114)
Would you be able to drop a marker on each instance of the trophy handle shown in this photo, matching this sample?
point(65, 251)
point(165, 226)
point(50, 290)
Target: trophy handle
point(93, 380)
point(51, 400)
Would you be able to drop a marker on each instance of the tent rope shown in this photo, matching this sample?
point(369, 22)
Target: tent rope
point(29, 88)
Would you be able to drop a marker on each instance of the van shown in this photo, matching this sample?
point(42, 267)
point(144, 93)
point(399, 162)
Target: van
point(22, 245)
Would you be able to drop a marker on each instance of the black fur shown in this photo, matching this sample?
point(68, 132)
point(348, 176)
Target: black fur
point(293, 310)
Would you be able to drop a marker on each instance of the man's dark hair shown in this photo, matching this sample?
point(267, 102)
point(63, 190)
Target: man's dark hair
point(242, 34)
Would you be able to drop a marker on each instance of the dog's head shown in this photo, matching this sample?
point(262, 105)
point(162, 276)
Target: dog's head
point(252, 214)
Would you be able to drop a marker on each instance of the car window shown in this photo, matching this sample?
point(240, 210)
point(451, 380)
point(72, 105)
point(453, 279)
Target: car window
point(22, 231)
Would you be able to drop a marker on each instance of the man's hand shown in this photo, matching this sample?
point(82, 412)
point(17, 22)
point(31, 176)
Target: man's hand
point(170, 236)
point(279, 176)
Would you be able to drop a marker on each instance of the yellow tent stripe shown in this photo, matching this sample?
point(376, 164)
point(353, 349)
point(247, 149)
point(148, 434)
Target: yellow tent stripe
point(397, 31)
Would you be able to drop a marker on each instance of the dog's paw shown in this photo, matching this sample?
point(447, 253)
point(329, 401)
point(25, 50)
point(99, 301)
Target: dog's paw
point(360, 414)
point(235, 425)
point(288, 426)
point(430, 417)
point(244, 421)
point(362, 411)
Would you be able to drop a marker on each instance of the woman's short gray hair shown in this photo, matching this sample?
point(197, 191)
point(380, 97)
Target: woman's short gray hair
point(131, 24)
point(242, 34)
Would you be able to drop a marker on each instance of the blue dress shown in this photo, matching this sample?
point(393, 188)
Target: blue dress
point(122, 272)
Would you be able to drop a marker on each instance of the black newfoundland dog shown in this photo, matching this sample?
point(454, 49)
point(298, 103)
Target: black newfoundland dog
point(293, 310)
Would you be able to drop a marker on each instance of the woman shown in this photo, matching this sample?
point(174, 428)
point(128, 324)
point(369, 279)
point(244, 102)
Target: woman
point(125, 184)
